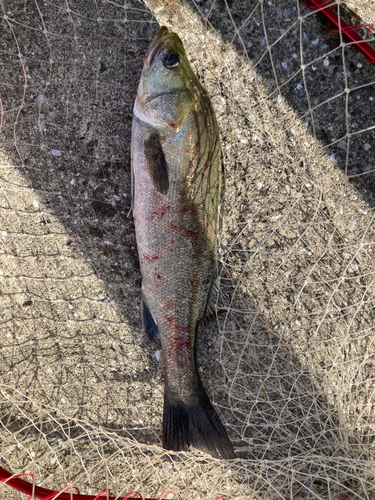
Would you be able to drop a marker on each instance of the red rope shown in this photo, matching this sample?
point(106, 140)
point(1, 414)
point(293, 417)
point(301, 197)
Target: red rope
point(106, 490)
point(162, 497)
point(345, 28)
point(58, 493)
point(313, 5)
point(360, 26)
point(44, 494)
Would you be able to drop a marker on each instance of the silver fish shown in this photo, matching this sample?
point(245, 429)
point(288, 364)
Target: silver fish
point(176, 192)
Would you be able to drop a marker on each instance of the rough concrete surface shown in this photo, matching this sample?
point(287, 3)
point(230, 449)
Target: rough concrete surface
point(289, 364)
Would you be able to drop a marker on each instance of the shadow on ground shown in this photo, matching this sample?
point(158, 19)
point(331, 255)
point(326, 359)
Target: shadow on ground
point(251, 25)
point(70, 280)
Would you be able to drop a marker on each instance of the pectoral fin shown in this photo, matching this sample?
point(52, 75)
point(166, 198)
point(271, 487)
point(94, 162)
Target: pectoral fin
point(156, 164)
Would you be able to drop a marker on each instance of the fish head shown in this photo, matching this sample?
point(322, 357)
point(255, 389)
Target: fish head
point(164, 97)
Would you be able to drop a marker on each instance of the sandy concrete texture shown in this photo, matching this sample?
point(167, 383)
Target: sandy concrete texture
point(289, 363)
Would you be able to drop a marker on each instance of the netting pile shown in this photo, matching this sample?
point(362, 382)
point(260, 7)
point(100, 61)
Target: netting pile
point(289, 365)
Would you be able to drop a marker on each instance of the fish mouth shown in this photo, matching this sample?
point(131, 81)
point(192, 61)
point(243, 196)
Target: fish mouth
point(150, 54)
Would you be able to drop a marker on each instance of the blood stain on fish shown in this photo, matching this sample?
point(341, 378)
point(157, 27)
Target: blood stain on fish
point(160, 211)
point(149, 258)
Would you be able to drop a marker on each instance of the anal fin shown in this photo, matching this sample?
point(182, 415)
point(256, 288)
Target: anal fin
point(149, 324)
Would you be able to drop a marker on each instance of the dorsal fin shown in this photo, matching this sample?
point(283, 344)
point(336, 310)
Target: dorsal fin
point(217, 300)
point(156, 164)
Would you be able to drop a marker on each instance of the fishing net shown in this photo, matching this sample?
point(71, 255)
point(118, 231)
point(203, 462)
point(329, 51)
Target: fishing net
point(289, 364)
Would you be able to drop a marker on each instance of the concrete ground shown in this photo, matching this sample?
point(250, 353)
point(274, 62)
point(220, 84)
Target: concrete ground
point(289, 365)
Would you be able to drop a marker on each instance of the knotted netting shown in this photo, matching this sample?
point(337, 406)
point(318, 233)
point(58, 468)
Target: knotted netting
point(289, 363)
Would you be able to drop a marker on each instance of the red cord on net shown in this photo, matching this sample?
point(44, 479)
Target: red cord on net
point(347, 30)
point(58, 493)
point(44, 494)
point(37, 492)
point(106, 490)
point(358, 27)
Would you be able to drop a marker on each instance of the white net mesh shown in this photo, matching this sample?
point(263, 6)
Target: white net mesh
point(290, 364)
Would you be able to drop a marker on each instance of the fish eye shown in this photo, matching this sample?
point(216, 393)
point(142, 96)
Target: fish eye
point(171, 60)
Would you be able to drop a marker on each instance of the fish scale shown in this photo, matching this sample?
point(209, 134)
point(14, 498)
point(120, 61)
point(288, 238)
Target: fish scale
point(176, 191)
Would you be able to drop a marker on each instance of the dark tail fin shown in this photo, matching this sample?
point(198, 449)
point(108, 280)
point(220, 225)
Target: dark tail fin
point(195, 425)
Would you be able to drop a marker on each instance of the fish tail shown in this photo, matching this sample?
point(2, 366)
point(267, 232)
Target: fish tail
point(196, 425)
